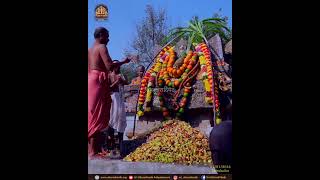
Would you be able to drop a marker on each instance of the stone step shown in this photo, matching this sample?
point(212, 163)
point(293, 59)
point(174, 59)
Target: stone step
point(99, 166)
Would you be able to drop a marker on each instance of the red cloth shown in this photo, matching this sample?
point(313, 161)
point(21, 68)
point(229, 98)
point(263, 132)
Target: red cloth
point(99, 102)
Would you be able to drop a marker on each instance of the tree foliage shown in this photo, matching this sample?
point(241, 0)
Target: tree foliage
point(149, 34)
point(199, 31)
point(128, 71)
point(227, 34)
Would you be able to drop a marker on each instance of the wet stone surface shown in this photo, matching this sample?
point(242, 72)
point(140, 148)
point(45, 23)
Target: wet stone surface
point(101, 166)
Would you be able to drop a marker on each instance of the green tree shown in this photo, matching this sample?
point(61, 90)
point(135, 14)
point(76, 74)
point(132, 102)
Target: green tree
point(129, 71)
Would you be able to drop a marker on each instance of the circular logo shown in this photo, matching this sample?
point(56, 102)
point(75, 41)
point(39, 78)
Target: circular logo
point(96, 177)
point(101, 12)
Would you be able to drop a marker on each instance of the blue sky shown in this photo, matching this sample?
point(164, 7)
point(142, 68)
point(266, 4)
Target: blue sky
point(124, 14)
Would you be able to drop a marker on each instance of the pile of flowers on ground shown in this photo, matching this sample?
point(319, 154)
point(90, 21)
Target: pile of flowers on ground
point(175, 142)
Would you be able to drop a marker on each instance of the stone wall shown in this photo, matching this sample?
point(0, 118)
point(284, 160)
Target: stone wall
point(131, 95)
point(196, 101)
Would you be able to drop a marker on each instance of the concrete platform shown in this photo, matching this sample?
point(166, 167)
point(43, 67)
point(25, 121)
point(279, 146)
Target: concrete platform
point(101, 166)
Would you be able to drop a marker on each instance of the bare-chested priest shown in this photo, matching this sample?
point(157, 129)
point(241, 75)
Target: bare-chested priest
point(99, 99)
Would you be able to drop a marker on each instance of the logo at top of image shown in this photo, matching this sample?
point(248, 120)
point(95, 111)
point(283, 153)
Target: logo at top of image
point(101, 12)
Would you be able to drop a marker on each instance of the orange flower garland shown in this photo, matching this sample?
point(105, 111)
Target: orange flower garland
point(166, 75)
point(147, 83)
point(208, 79)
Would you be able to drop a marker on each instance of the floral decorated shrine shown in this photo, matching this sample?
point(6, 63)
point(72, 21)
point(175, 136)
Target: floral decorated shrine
point(184, 85)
